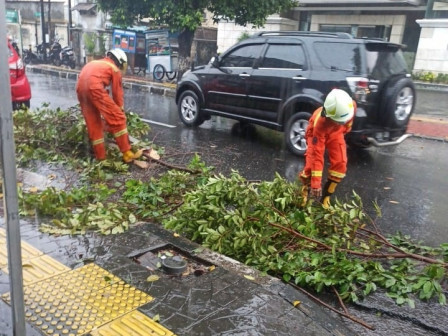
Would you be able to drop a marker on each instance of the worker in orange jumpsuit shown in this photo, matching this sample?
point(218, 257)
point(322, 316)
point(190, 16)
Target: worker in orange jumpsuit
point(326, 129)
point(99, 108)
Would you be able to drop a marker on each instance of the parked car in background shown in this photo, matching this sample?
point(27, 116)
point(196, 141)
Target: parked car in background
point(277, 79)
point(20, 87)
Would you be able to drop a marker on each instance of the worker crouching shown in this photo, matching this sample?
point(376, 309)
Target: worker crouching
point(326, 130)
point(99, 108)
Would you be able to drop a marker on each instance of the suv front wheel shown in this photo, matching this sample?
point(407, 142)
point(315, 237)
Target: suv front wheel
point(295, 132)
point(189, 110)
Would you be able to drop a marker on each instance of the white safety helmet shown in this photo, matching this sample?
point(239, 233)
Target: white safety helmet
point(339, 106)
point(119, 55)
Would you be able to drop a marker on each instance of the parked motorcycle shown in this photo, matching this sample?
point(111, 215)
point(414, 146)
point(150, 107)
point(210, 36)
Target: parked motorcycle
point(54, 53)
point(67, 57)
point(30, 57)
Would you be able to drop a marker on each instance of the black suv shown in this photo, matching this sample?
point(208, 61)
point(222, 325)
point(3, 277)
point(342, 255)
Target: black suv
point(278, 78)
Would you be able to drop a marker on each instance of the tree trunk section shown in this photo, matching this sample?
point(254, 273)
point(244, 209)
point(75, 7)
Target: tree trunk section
point(185, 39)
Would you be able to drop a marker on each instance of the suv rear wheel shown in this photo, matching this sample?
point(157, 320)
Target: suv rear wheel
point(188, 108)
point(400, 103)
point(295, 132)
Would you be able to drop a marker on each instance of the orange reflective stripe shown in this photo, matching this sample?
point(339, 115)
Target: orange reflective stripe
point(120, 133)
point(113, 66)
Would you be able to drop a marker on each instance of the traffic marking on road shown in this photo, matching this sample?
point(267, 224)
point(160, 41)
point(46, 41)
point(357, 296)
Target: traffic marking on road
point(158, 123)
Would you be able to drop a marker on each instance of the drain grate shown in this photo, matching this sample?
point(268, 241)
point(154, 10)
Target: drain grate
point(173, 261)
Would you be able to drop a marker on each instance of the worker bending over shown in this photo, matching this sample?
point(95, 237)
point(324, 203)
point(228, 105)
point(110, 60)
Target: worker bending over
point(97, 106)
point(326, 129)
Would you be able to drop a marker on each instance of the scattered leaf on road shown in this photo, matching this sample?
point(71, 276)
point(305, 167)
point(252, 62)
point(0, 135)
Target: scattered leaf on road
point(33, 190)
point(249, 277)
point(156, 318)
point(387, 188)
point(176, 234)
point(211, 268)
point(394, 202)
point(296, 303)
point(152, 278)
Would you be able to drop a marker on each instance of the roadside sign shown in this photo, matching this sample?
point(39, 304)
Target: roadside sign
point(12, 16)
point(37, 14)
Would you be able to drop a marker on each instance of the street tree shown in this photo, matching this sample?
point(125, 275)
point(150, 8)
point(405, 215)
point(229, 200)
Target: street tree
point(187, 15)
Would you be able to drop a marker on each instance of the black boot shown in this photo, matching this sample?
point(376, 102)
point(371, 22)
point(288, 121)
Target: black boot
point(329, 189)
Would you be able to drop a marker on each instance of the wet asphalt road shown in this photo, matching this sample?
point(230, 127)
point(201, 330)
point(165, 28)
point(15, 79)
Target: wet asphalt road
point(409, 182)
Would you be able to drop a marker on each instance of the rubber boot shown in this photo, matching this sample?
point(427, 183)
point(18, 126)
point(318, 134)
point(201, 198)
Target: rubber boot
point(130, 156)
point(329, 189)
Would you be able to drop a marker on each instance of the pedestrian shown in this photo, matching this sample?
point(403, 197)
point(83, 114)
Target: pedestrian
point(326, 129)
point(99, 109)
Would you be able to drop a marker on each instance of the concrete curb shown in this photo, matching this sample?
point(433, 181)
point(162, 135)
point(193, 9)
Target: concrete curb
point(431, 86)
point(144, 85)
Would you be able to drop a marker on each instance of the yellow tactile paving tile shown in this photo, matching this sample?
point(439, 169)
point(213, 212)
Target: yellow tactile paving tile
point(78, 301)
point(132, 324)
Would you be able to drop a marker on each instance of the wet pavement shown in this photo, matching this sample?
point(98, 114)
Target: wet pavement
point(219, 301)
point(224, 300)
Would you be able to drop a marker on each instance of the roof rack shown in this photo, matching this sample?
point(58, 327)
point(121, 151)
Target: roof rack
point(304, 33)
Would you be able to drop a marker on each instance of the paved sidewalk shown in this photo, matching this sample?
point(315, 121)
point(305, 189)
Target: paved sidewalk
point(431, 127)
point(92, 285)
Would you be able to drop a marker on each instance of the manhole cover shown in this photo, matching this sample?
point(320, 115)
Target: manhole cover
point(173, 261)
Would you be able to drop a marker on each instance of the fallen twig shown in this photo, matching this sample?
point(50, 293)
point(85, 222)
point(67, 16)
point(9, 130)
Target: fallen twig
point(347, 315)
point(166, 164)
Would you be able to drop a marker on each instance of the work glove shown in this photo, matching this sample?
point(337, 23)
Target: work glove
point(316, 193)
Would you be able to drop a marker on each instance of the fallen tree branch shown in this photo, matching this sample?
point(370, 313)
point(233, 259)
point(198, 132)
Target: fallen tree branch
point(347, 315)
point(401, 255)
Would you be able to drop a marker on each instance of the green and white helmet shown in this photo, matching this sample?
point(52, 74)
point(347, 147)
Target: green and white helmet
point(339, 106)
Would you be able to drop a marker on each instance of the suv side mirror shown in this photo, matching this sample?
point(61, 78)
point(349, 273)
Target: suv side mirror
point(215, 61)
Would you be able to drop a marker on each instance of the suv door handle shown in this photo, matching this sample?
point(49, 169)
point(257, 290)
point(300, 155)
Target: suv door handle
point(299, 78)
point(244, 75)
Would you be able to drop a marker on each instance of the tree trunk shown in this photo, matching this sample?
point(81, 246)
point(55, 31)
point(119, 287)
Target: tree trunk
point(185, 40)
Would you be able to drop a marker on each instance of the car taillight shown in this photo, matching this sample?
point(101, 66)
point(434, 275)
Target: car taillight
point(17, 69)
point(359, 87)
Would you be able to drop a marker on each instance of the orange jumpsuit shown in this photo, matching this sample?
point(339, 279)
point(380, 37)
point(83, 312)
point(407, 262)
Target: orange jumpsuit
point(323, 133)
point(97, 105)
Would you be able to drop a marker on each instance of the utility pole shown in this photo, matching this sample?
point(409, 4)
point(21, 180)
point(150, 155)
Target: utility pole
point(10, 197)
point(69, 42)
point(42, 23)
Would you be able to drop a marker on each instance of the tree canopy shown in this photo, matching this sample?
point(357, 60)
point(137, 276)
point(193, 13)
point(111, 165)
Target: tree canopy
point(187, 14)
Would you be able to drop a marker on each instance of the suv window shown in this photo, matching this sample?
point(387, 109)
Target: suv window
point(340, 56)
point(384, 60)
point(284, 57)
point(243, 57)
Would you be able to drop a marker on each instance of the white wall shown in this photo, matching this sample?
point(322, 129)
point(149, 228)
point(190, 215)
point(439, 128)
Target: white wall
point(229, 32)
point(432, 52)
